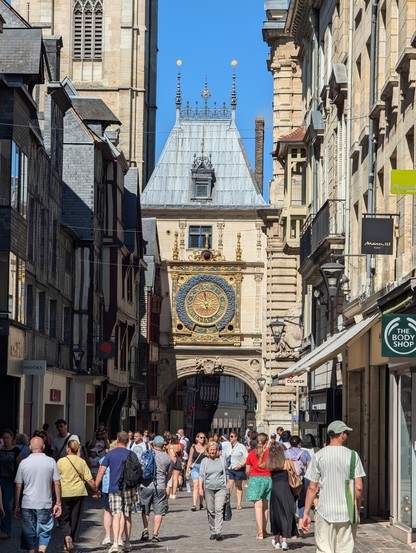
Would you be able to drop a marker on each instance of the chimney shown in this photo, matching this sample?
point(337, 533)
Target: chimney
point(259, 152)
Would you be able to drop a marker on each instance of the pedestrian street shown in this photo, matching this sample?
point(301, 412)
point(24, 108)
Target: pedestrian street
point(184, 531)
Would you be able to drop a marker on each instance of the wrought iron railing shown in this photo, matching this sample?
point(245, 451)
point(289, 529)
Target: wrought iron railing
point(328, 223)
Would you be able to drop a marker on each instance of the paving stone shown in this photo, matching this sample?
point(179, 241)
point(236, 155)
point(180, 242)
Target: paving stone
point(185, 531)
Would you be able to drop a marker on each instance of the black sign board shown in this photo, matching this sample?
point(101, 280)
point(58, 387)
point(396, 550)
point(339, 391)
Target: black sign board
point(377, 235)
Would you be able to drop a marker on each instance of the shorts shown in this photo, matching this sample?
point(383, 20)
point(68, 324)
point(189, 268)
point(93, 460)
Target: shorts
point(259, 487)
point(237, 474)
point(106, 502)
point(195, 472)
point(152, 497)
point(37, 526)
point(123, 502)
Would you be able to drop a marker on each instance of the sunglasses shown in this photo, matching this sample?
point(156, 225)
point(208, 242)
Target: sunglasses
point(202, 437)
point(232, 436)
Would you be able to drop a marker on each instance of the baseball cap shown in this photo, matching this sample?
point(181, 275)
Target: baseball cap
point(158, 441)
point(224, 437)
point(338, 426)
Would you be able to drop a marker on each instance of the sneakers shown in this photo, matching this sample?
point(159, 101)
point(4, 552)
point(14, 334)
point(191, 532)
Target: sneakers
point(113, 548)
point(172, 496)
point(127, 546)
point(285, 546)
point(276, 544)
point(145, 536)
point(106, 541)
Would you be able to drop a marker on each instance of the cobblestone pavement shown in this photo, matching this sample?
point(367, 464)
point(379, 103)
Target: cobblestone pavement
point(187, 532)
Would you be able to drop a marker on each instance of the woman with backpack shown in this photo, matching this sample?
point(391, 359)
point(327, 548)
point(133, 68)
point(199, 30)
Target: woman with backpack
point(301, 459)
point(282, 505)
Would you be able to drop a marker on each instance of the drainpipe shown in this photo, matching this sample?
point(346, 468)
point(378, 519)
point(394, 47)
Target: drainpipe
point(371, 146)
point(315, 77)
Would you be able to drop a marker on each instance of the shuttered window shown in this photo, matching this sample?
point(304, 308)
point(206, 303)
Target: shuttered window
point(88, 30)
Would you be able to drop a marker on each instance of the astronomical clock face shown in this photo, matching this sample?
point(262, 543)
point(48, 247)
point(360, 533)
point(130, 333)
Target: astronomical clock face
point(206, 301)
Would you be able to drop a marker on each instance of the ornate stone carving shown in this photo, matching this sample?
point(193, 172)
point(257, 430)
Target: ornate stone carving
point(208, 366)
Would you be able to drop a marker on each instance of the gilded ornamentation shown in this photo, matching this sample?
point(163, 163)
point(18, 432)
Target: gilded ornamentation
point(175, 252)
point(238, 251)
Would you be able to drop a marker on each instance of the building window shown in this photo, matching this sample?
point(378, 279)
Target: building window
point(198, 237)
point(13, 177)
point(203, 178)
point(52, 318)
point(40, 312)
point(54, 245)
point(29, 306)
point(66, 324)
point(17, 288)
point(88, 30)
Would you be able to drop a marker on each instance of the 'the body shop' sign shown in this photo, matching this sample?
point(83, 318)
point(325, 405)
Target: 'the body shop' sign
point(398, 335)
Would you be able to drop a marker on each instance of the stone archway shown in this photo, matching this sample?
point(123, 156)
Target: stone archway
point(175, 368)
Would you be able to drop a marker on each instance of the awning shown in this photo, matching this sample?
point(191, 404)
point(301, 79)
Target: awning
point(329, 349)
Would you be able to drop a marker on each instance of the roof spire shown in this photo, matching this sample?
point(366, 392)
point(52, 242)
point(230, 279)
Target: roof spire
point(233, 89)
point(178, 90)
point(206, 93)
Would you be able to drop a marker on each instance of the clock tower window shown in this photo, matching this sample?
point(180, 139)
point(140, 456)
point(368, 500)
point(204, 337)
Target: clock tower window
point(197, 236)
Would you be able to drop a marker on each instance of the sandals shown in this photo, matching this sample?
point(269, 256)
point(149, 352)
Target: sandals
point(145, 536)
point(260, 536)
point(68, 545)
point(239, 508)
point(155, 538)
point(193, 508)
point(201, 507)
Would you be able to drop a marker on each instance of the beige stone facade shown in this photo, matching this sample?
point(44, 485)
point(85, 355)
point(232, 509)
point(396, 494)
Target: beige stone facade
point(358, 67)
point(122, 72)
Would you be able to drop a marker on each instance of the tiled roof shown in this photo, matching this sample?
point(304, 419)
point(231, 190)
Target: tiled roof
point(295, 136)
point(20, 51)
point(93, 109)
point(171, 184)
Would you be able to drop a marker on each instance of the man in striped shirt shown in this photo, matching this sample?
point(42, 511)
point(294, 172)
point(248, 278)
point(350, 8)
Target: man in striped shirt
point(330, 470)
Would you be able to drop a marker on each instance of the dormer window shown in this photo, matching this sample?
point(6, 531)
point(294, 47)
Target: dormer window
point(203, 178)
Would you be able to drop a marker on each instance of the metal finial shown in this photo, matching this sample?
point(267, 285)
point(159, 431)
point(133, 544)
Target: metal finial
point(233, 89)
point(238, 251)
point(175, 251)
point(205, 93)
point(178, 86)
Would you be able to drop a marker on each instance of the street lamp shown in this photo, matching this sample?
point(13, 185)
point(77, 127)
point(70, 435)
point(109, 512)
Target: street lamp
point(245, 398)
point(332, 273)
point(78, 354)
point(277, 327)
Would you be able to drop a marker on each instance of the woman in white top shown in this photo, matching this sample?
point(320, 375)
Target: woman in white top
point(237, 467)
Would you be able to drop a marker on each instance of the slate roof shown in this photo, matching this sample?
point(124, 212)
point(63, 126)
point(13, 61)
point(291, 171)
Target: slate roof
point(171, 184)
point(93, 109)
point(20, 51)
point(11, 17)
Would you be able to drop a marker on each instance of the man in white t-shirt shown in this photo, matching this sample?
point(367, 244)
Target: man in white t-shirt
point(36, 474)
point(185, 443)
point(60, 442)
point(139, 446)
point(337, 513)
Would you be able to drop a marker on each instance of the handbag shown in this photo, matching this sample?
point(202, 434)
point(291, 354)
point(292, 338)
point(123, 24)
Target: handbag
point(227, 513)
point(352, 507)
point(295, 481)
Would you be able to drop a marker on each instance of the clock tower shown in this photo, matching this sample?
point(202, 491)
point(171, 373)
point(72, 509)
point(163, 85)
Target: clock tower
point(208, 209)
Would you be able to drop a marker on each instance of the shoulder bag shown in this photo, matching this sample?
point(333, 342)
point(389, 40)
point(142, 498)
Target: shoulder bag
point(350, 496)
point(295, 481)
point(197, 459)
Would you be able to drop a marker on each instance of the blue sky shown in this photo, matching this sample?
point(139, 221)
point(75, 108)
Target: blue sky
point(207, 36)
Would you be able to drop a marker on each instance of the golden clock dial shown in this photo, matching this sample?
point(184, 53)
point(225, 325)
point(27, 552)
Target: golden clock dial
point(206, 303)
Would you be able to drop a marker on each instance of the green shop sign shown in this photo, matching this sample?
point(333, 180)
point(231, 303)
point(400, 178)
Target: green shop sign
point(398, 335)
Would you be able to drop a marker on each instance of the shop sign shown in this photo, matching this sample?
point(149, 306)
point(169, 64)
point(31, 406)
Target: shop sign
point(377, 236)
point(298, 380)
point(106, 349)
point(403, 181)
point(398, 335)
point(33, 367)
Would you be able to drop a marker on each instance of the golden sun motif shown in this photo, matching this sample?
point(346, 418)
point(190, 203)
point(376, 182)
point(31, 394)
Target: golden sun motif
point(206, 303)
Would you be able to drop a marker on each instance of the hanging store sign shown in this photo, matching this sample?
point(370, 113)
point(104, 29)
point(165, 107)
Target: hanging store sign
point(298, 380)
point(34, 367)
point(398, 335)
point(377, 236)
point(403, 181)
point(105, 349)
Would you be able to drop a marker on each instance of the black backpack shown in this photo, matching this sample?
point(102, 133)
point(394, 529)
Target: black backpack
point(131, 473)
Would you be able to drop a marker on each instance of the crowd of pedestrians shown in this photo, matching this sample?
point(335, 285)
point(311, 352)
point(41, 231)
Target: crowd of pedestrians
point(286, 478)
